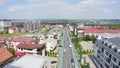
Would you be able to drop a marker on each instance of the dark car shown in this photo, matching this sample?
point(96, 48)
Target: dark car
point(72, 61)
point(52, 62)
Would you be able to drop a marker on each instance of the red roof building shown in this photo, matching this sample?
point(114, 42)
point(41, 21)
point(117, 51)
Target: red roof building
point(13, 29)
point(95, 30)
point(23, 40)
point(30, 49)
point(3, 39)
point(30, 46)
point(1, 44)
point(5, 56)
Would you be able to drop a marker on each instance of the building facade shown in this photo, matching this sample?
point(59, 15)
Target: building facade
point(5, 24)
point(31, 25)
point(107, 52)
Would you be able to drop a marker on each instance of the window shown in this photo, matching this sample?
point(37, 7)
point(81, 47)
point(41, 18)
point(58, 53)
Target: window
point(114, 59)
point(110, 55)
point(119, 63)
point(106, 53)
point(102, 49)
point(115, 49)
point(30, 49)
point(110, 46)
point(105, 44)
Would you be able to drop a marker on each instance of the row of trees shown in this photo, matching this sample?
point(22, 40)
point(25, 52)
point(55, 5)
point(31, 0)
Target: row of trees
point(88, 51)
point(89, 38)
point(51, 54)
point(76, 43)
point(4, 32)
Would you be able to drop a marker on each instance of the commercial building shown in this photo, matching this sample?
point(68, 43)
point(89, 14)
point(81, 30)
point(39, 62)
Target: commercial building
point(28, 61)
point(107, 53)
point(31, 25)
point(95, 31)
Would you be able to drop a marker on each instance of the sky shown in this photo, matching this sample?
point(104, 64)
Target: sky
point(59, 9)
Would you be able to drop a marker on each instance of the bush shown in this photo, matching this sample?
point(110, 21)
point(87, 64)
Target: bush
point(11, 51)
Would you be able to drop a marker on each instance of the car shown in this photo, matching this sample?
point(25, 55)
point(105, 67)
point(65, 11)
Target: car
point(60, 45)
point(72, 61)
point(69, 45)
point(64, 50)
point(52, 62)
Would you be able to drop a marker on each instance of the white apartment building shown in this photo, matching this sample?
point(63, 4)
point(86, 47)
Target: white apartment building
point(107, 52)
point(4, 24)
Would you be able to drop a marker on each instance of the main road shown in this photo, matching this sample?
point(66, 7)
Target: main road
point(68, 61)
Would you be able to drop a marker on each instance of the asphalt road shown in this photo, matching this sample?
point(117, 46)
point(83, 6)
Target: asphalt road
point(67, 53)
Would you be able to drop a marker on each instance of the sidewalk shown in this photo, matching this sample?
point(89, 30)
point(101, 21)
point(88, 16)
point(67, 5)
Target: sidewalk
point(89, 60)
point(49, 65)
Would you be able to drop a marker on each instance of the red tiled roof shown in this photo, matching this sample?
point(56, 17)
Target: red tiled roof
point(1, 44)
point(30, 46)
point(95, 30)
point(3, 38)
point(4, 54)
point(13, 27)
point(26, 40)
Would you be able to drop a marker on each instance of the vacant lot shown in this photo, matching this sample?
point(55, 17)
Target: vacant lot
point(87, 45)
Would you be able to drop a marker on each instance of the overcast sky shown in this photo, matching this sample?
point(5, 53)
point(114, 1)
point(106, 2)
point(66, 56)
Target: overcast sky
point(60, 9)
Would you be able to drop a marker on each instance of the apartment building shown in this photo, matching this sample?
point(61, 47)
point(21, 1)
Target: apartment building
point(107, 52)
point(31, 25)
point(5, 24)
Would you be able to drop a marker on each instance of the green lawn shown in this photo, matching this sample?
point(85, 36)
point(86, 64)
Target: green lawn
point(15, 34)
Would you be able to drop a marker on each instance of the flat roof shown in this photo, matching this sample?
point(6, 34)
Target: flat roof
point(28, 61)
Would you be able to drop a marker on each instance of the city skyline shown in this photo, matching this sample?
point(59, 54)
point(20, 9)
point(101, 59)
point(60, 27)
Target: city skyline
point(59, 9)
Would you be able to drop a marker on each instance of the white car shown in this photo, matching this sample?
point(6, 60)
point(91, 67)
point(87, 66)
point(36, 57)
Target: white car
point(69, 45)
point(64, 50)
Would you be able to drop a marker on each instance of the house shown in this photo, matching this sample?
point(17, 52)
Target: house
point(13, 29)
point(16, 41)
point(32, 48)
point(1, 44)
point(51, 44)
point(5, 56)
point(29, 61)
point(3, 39)
point(107, 53)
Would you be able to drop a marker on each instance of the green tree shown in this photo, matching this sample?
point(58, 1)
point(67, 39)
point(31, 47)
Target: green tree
point(86, 38)
point(93, 39)
point(11, 51)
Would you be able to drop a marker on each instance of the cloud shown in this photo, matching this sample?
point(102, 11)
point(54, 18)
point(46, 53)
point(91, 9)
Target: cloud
point(41, 1)
point(4, 1)
point(16, 8)
point(63, 9)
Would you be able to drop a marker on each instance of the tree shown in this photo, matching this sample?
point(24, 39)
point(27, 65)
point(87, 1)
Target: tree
point(11, 51)
point(86, 38)
point(93, 39)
